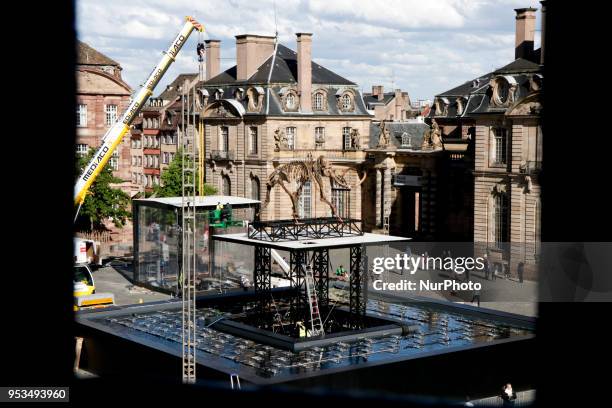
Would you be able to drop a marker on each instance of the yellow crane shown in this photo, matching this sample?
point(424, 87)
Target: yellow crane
point(115, 133)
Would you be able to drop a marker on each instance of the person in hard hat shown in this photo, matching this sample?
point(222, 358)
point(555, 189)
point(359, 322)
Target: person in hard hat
point(217, 212)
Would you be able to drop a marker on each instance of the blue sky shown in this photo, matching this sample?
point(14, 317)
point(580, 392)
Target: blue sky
point(423, 47)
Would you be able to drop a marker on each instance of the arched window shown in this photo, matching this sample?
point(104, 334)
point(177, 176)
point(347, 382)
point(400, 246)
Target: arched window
point(290, 100)
point(346, 101)
point(226, 186)
point(254, 188)
point(318, 101)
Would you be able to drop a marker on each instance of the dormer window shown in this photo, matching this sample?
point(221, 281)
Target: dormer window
point(238, 95)
point(318, 101)
point(345, 101)
point(406, 140)
point(503, 88)
point(219, 94)
point(291, 101)
point(441, 106)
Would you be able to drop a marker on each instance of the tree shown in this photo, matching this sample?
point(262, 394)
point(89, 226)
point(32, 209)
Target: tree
point(102, 201)
point(172, 180)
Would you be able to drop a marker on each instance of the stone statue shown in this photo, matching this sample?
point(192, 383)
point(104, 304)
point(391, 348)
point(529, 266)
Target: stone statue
point(426, 140)
point(383, 137)
point(280, 140)
point(355, 143)
point(436, 135)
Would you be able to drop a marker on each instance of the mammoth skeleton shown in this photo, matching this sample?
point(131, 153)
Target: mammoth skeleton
point(302, 171)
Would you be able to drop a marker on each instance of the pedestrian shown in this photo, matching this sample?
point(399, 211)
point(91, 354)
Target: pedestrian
point(486, 267)
point(494, 272)
point(476, 296)
point(508, 395)
point(520, 270)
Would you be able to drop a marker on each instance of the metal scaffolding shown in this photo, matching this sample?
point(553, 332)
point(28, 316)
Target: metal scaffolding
point(358, 286)
point(188, 268)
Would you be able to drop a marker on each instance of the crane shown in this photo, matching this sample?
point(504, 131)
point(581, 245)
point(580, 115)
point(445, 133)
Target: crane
point(110, 141)
point(115, 133)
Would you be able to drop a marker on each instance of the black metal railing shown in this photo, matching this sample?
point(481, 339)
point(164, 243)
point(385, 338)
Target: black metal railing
point(306, 228)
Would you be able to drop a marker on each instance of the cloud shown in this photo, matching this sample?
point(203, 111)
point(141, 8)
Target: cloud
point(423, 47)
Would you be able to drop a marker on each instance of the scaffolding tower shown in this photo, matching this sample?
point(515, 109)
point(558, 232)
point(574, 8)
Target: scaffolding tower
point(188, 209)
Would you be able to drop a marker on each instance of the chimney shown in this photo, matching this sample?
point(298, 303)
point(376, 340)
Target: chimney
point(378, 91)
point(304, 69)
point(213, 58)
point(525, 32)
point(543, 31)
point(398, 105)
point(251, 52)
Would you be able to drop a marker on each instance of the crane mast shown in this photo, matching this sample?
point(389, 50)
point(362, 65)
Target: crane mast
point(115, 134)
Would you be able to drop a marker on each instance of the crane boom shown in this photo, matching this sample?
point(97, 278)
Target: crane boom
point(115, 133)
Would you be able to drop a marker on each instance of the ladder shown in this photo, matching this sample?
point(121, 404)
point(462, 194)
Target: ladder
point(188, 207)
point(315, 317)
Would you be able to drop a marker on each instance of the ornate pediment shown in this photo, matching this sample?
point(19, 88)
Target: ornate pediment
point(530, 105)
point(224, 109)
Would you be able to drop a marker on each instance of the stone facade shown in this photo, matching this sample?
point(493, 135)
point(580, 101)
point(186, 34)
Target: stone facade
point(500, 112)
point(102, 96)
point(251, 127)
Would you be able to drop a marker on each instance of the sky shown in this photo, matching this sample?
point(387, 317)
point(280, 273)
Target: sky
point(424, 47)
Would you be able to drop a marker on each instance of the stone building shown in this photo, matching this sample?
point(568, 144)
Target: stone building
point(102, 96)
point(389, 106)
point(154, 136)
point(417, 186)
point(500, 112)
point(273, 108)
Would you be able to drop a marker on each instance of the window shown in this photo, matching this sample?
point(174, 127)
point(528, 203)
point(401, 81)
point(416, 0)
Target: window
point(165, 158)
point(253, 140)
point(291, 100)
point(82, 149)
point(290, 132)
point(114, 160)
point(500, 142)
point(346, 102)
point(340, 201)
point(346, 138)
point(140, 160)
point(318, 101)
point(81, 118)
point(226, 186)
point(224, 138)
point(305, 201)
point(500, 217)
point(319, 136)
point(254, 188)
point(406, 140)
point(111, 114)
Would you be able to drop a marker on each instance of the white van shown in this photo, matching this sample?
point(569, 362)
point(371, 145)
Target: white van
point(87, 251)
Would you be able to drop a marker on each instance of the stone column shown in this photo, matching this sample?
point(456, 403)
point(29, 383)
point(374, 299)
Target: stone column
point(386, 193)
point(378, 220)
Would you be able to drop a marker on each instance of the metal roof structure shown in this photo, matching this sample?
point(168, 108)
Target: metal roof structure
point(202, 201)
point(308, 244)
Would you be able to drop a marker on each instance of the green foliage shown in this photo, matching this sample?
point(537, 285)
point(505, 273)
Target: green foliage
point(172, 180)
point(102, 201)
